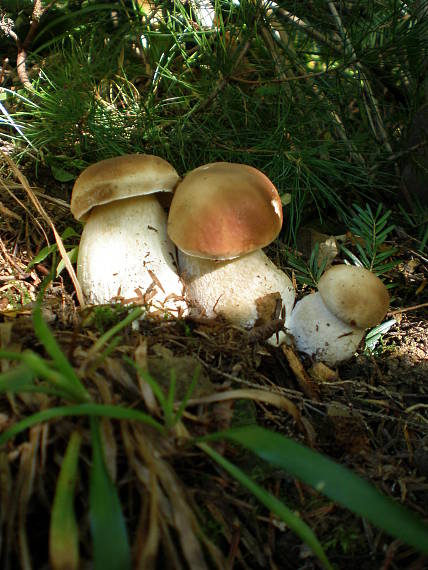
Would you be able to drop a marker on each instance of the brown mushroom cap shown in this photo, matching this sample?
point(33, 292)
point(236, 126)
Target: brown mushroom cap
point(121, 177)
point(354, 295)
point(223, 210)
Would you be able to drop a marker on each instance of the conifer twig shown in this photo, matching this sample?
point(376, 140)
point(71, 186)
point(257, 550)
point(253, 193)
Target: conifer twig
point(21, 59)
point(372, 108)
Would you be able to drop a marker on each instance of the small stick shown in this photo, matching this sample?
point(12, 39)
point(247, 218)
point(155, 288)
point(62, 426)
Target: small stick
point(21, 59)
point(412, 308)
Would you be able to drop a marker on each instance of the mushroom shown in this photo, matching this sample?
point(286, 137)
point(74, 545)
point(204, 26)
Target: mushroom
point(329, 325)
point(125, 253)
point(221, 215)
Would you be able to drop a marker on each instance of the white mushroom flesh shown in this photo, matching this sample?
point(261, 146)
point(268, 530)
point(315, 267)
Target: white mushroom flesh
point(126, 255)
point(237, 288)
point(318, 333)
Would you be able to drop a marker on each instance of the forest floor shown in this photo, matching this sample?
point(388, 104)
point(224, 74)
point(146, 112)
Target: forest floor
point(370, 414)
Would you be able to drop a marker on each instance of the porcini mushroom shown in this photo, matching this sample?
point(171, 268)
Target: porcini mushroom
point(330, 324)
point(125, 252)
point(221, 215)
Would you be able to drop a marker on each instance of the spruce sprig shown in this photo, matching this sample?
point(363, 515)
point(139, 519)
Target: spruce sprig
point(371, 231)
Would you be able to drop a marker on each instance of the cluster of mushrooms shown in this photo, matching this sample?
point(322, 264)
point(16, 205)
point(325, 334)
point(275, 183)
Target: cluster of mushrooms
point(206, 257)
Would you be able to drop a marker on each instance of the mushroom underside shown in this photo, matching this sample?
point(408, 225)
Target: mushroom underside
point(126, 255)
point(246, 291)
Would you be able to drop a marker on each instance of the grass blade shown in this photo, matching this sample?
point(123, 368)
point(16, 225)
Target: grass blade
point(98, 410)
point(64, 531)
point(109, 534)
point(373, 336)
point(334, 481)
point(44, 334)
point(44, 371)
point(99, 343)
point(16, 379)
point(272, 503)
point(187, 395)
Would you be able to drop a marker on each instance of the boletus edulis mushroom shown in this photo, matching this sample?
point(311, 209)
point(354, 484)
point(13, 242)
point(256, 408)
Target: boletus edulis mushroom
point(330, 324)
point(125, 253)
point(221, 215)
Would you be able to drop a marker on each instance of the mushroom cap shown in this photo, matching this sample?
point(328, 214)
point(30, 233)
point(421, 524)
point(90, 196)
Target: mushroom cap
point(121, 177)
point(223, 210)
point(355, 295)
point(321, 335)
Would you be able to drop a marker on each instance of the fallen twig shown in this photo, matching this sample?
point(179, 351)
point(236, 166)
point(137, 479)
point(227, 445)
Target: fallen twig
point(406, 309)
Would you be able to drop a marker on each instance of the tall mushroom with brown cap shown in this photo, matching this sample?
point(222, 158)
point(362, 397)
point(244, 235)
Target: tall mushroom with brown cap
point(329, 325)
point(221, 215)
point(125, 252)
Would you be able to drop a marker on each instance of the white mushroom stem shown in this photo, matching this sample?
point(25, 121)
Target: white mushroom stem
point(125, 254)
point(318, 333)
point(244, 290)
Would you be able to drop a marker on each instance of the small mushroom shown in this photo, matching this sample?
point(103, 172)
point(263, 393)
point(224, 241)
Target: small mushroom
point(329, 325)
point(125, 253)
point(221, 215)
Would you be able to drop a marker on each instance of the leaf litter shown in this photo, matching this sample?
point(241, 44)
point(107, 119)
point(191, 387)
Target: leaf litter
point(183, 511)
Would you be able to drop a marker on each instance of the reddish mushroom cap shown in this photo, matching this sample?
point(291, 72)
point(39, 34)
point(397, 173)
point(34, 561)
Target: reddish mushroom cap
point(223, 210)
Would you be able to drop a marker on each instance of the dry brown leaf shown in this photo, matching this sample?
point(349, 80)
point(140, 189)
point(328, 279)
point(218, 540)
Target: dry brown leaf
point(251, 394)
point(267, 308)
point(141, 360)
point(181, 516)
point(148, 535)
point(349, 429)
point(306, 383)
point(322, 373)
point(308, 238)
point(6, 212)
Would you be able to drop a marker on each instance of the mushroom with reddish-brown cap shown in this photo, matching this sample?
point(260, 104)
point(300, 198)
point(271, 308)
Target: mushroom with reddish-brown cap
point(330, 324)
point(221, 215)
point(125, 253)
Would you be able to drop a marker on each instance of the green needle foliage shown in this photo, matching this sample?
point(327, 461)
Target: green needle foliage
point(371, 230)
point(370, 233)
point(317, 96)
point(307, 272)
point(417, 222)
